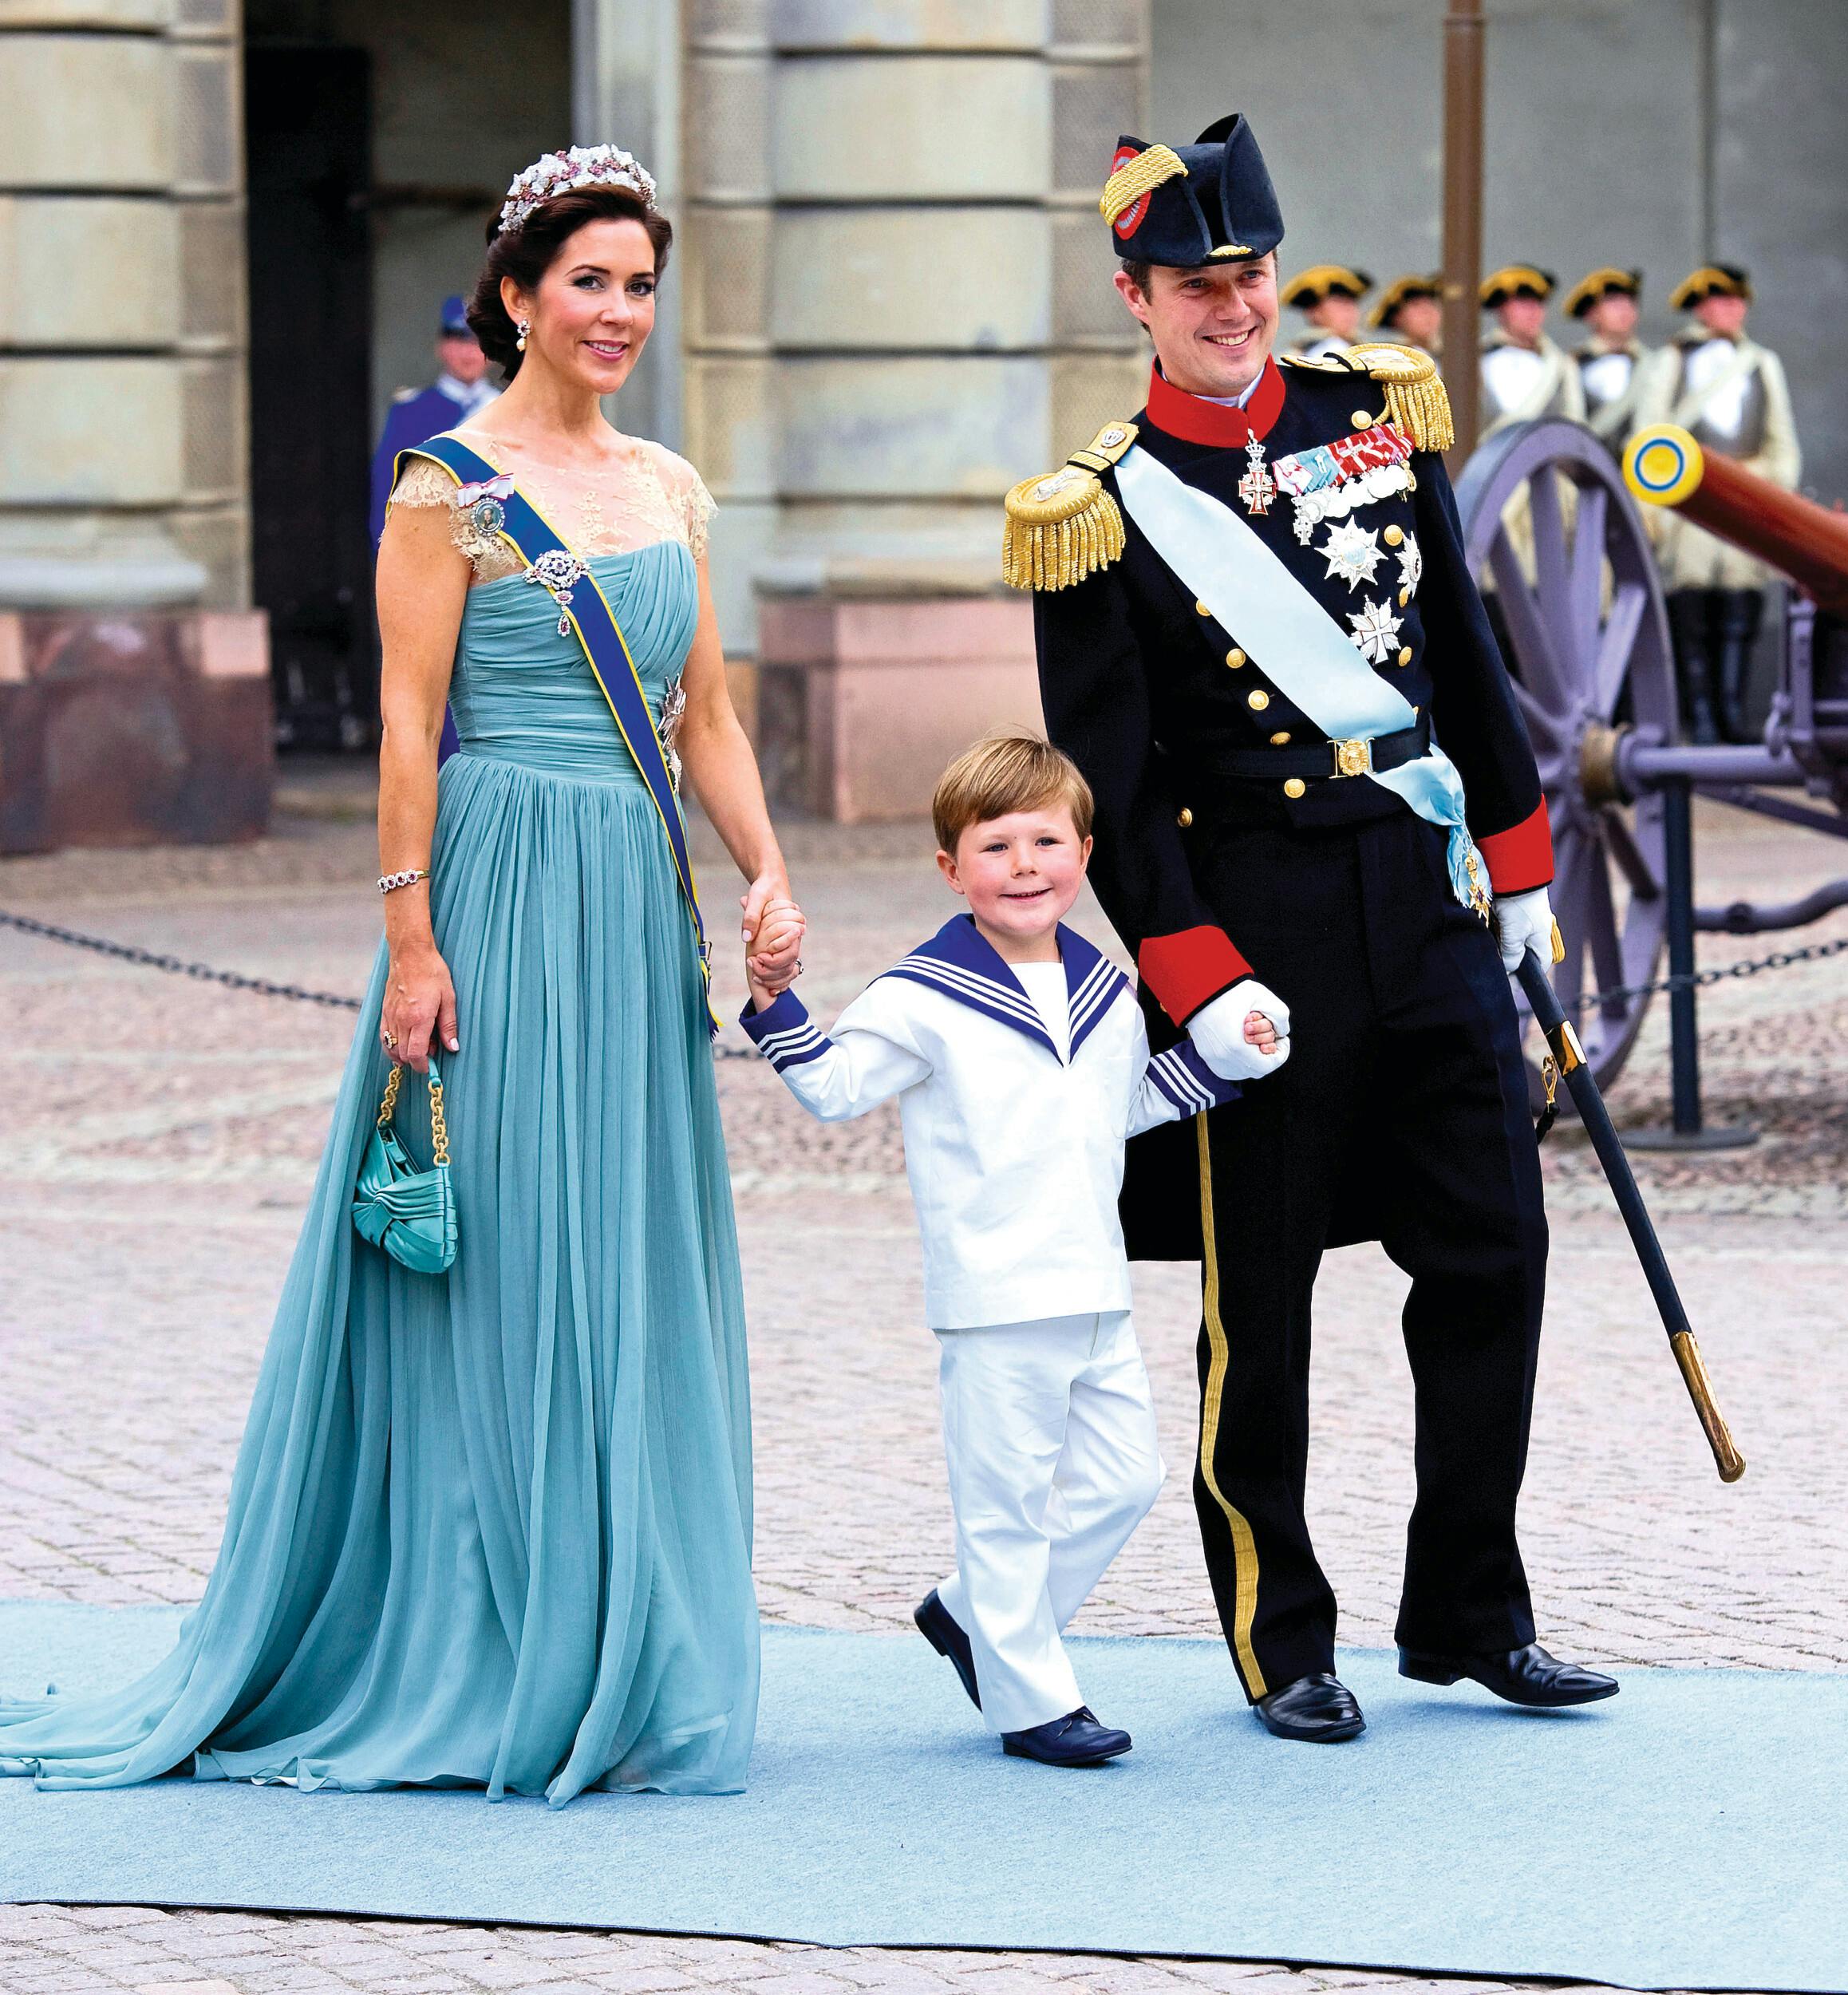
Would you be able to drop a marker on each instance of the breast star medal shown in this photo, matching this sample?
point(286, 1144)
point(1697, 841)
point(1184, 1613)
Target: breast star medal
point(1257, 488)
point(1376, 631)
point(1353, 552)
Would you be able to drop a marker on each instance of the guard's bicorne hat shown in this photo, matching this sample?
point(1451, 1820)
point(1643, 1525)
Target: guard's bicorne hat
point(1401, 291)
point(1712, 280)
point(1608, 282)
point(1320, 281)
point(1515, 280)
point(1211, 202)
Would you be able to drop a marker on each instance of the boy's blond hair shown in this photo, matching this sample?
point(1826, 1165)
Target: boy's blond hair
point(1010, 770)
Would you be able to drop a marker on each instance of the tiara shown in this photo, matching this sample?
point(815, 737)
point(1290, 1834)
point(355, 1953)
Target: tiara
point(556, 173)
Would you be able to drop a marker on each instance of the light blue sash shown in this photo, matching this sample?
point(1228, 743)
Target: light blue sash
point(1289, 635)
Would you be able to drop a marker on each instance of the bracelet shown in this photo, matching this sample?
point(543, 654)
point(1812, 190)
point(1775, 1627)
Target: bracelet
point(389, 882)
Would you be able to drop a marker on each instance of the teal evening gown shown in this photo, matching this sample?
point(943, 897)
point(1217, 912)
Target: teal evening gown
point(493, 1528)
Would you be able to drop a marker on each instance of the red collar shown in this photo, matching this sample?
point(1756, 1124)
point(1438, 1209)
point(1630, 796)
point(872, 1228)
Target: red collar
point(1196, 421)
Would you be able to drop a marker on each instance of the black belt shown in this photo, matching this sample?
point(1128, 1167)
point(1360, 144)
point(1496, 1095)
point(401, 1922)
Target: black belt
point(1329, 758)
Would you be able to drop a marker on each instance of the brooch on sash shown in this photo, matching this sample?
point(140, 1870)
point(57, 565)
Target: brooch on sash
point(558, 571)
point(483, 505)
point(1330, 481)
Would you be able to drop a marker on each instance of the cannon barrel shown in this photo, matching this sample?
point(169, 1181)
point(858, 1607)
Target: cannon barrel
point(1664, 466)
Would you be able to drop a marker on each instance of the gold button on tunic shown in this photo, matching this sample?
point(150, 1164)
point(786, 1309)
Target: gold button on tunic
point(1295, 787)
point(1183, 817)
point(1361, 419)
point(1405, 656)
point(1392, 536)
point(1281, 739)
point(1200, 608)
point(1257, 699)
point(1235, 657)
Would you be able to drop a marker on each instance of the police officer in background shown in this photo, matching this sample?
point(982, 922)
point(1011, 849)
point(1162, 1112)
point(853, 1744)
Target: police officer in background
point(1410, 310)
point(1328, 297)
point(1731, 392)
point(1525, 374)
point(417, 414)
point(1255, 629)
point(1613, 362)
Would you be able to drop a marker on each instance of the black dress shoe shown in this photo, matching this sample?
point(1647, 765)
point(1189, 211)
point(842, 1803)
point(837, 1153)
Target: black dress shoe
point(1076, 1740)
point(940, 1628)
point(1320, 1708)
point(1525, 1675)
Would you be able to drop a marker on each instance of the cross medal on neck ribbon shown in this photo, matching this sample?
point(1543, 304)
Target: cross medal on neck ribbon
point(1257, 488)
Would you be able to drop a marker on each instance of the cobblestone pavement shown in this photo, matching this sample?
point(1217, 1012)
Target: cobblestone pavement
point(157, 1136)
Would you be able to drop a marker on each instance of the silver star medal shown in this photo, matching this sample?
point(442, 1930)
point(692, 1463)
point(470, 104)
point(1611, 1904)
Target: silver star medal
point(1411, 563)
point(1257, 487)
point(1354, 553)
point(1376, 631)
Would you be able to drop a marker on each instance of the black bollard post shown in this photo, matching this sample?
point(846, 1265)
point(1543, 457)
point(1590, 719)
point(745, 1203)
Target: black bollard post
point(1689, 1129)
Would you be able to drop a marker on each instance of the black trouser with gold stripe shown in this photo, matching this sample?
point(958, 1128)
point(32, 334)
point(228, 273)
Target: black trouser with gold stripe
point(1401, 1114)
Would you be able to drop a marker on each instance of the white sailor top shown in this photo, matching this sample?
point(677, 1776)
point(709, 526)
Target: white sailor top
point(1014, 1149)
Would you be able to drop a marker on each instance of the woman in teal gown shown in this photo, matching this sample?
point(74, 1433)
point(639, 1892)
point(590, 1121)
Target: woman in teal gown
point(492, 1528)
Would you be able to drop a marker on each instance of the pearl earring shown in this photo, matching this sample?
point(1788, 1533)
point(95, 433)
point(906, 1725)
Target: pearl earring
point(522, 327)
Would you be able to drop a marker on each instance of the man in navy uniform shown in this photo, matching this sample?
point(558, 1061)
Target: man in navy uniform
point(417, 414)
point(1258, 639)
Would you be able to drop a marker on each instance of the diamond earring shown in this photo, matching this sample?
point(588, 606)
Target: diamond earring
point(522, 327)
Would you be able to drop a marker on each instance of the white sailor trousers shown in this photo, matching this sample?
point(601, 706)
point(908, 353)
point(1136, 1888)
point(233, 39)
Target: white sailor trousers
point(1049, 1435)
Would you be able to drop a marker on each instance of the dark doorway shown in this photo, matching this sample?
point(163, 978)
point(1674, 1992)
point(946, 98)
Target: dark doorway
point(308, 114)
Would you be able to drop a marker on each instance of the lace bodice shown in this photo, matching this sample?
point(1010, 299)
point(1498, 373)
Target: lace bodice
point(648, 494)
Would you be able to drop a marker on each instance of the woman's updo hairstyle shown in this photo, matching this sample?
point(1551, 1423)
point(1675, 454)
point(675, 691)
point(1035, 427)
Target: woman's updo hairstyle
point(525, 254)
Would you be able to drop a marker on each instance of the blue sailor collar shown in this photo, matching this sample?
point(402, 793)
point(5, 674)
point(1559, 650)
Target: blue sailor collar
point(961, 963)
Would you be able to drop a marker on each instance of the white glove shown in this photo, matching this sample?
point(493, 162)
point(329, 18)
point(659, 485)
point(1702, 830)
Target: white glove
point(1523, 925)
point(1217, 1031)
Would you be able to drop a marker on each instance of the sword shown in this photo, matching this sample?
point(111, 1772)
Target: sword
point(1563, 1042)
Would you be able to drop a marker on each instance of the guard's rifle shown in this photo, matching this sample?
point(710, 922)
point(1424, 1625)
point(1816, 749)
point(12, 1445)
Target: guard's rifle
point(1568, 1055)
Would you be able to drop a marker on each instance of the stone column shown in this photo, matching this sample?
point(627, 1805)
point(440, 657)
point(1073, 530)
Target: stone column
point(896, 305)
point(133, 688)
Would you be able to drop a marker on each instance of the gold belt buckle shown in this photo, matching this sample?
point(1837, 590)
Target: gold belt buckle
point(1352, 758)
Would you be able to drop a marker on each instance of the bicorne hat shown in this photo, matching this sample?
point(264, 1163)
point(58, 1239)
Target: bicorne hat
point(1401, 291)
point(1515, 280)
point(1211, 202)
point(1712, 280)
point(1608, 282)
point(1320, 281)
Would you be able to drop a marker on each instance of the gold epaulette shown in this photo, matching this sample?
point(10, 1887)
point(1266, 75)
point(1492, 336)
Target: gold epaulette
point(1064, 526)
point(1416, 401)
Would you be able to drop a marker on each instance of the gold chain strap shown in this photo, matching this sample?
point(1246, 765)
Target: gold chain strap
point(439, 1122)
point(439, 1129)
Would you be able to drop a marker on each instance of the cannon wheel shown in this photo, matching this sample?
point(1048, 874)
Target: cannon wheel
point(1584, 614)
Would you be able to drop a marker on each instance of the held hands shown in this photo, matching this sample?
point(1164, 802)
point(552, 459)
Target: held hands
point(1524, 927)
point(773, 927)
point(419, 1007)
point(1244, 1033)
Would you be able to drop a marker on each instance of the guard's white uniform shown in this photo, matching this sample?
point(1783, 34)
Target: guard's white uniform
point(1016, 1107)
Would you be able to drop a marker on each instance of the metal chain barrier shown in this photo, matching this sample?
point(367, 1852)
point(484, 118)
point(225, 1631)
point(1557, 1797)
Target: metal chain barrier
point(264, 987)
point(1700, 979)
point(231, 979)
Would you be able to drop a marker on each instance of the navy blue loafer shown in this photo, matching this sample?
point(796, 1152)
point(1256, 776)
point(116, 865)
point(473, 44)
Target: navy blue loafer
point(1076, 1740)
point(939, 1627)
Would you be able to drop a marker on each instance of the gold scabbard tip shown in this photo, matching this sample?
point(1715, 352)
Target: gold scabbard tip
point(1558, 945)
point(1572, 1053)
point(1727, 1458)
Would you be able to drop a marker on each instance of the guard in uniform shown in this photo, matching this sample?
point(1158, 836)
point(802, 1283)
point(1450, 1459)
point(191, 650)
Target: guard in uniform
point(1411, 310)
point(1731, 392)
point(417, 414)
point(1613, 362)
point(1257, 639)
point(1328, 297)
point(1526, 374)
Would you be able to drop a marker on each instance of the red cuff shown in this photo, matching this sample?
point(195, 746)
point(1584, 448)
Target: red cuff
point(1189, 969)
point(1520, 859)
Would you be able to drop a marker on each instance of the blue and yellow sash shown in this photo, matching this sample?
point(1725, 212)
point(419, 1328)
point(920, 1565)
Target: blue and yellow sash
point(583, 608)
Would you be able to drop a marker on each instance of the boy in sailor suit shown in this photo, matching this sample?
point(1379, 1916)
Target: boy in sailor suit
point(1020, 1064)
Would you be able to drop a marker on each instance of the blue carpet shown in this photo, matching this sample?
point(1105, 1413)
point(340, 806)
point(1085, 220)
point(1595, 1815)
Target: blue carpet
point(1692, 1834)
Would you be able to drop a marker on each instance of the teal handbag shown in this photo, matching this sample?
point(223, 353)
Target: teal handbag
point(409, 1212)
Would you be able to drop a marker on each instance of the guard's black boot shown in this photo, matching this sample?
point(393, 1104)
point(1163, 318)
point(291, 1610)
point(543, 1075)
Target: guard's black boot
point(1690, 623)
point(1525, 1675)
point(1740, 611)
point(1076, 1740)
point(940, 1629)
point(1320, 1710)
